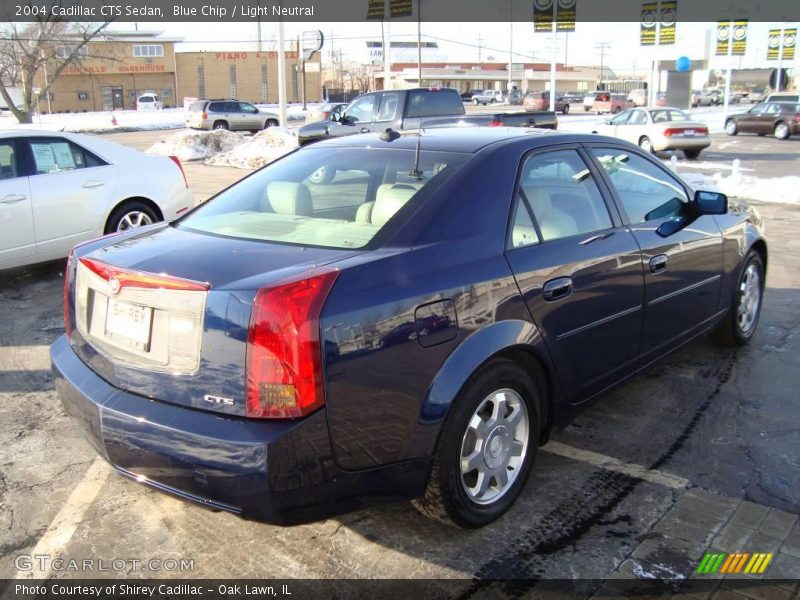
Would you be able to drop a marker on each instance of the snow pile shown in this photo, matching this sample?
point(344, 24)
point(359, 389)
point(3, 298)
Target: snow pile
point(774, 189)
point(196, 145)
point(257, 151)
point(101, 121)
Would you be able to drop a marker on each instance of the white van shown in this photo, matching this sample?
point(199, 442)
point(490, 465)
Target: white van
point(638, 96)
point(149, 101)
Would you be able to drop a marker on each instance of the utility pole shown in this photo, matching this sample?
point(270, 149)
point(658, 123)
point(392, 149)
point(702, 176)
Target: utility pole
point(510, 47)
point(387, 47)
point(601, 47)
point(281, 76)
point(419, 42)
point(553, 59)
point(728, 74)
point(480, 48)
point(779, 74)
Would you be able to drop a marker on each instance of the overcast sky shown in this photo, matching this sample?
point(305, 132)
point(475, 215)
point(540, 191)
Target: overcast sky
point(460, 41)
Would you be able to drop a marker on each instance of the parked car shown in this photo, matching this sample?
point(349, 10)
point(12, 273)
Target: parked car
point(588, 101)
point(198, 356)
point(605, 102)
point(469, 94)
point(573, 98)
point(794, 98)
point(228, 114)
point(757, 96)
point(661, 100)
point(149, 101)
point(400, 110)
point(657, 129)
point(638, 97)
point(782, 119)
point(700, 98)
point(58, 189)
point(324, 111)
point(488, 97)
point(541, 101)
point(514, 97)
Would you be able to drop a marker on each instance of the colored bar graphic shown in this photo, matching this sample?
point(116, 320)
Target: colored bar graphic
point(724, 563)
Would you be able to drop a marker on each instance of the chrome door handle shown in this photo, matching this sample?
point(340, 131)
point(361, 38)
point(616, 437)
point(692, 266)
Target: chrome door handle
point(658, 263)
point(557, 289)
point(11, 198)
point(93, 183)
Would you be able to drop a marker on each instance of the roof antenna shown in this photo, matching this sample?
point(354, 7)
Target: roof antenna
point(415, 172)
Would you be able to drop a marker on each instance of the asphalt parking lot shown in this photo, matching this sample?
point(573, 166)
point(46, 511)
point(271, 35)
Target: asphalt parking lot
point(700, 453)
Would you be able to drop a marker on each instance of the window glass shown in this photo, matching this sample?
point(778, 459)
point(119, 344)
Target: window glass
point(333, 197)
point(638, 117)
point(55, 156)
point(8, 161)
point(216, 107)
point(362, 109)
point(563, 195)
point(647, 192)
point(248, 108)
point(434, 103)
point(621, 118)
point(388, 110)
point(523, 232)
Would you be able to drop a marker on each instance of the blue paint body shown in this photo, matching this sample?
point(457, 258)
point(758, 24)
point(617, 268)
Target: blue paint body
point(405, 326)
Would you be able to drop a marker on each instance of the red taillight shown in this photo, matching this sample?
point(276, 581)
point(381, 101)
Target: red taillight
point(139, 279)
point(284, 361)
point(67, 320)
point(702, 131)
point(494, 123)
point(670, 132)
point(177, 161)
point(205, 116)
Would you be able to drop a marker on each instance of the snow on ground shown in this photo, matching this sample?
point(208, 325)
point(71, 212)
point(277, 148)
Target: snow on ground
point(258, 150)
point(774, 189)
point(196, 145)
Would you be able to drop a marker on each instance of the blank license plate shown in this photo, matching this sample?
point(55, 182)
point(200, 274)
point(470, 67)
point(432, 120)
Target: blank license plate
point(688, 132)
point(130, 321)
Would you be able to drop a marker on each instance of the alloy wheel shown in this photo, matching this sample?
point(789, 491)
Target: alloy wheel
point(494, 446)
point(134, 219)
point(750, 299)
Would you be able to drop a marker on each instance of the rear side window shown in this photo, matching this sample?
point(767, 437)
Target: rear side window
point(559, 191)
point(434, 103)
point(54, 156)
point(647, 192)
point(388, 108)
point(216, 107)
point(331, 197)
point(8, 160)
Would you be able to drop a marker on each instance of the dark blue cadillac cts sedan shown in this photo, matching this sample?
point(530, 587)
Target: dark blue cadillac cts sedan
point(391, 316)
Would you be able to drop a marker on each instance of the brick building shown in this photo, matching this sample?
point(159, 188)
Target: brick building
point(113, 72)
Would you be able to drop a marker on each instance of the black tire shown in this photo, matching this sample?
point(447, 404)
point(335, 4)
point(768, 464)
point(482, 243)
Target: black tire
point(445, 498)
point(220, 125)
point(476, 102)
point(617, 110)
point(270, 123)
point(492, 101)
point(565, 110)
point(731, 128)
point(646, 145)
point(729, 332)
point(129, 209)
point(691, 154)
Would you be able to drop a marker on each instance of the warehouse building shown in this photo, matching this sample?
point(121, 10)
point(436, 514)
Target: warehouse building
point(114, 71)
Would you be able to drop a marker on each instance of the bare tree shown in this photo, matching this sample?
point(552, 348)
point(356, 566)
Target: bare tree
point(28, 48)
point(360, 76)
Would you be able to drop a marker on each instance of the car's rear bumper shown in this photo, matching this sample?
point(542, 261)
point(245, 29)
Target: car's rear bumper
point(276, 471)
point(681, 143)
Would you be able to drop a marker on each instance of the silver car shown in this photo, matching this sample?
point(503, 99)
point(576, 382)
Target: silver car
point(228, 114)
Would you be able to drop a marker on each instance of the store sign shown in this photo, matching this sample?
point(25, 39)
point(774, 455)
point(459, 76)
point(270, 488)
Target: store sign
point(789, 42)
point(647, 29)
point(736, 29)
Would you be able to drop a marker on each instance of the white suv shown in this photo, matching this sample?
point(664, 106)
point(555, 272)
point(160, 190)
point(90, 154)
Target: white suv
point(149, 101)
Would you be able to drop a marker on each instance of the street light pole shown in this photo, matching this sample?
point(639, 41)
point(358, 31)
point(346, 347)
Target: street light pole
point(553, 60)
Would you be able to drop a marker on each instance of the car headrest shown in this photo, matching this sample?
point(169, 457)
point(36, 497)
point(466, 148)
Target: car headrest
point(390, 198)
point(540, 199)
point(289, 198)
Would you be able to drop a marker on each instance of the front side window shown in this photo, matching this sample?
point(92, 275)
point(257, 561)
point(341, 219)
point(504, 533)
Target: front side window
point(388, 109)
point(55, 156)
point(647, 192)
point(248, 108)
point(332, 197)
point(561, 193)
point(362, 109)
point(621, 118)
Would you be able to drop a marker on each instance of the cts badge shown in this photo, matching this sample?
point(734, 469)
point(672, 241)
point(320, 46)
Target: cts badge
point(218, 400)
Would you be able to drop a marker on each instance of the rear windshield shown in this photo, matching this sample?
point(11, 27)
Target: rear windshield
point(146, 99)
point(332, 197)
point(659, 116)
point(197, 106)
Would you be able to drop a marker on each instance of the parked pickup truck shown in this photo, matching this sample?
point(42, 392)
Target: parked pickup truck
point(414, 109)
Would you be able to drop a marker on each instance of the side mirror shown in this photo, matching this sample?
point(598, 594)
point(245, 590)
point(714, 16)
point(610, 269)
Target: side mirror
point(711, 203)
point(607, 121)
